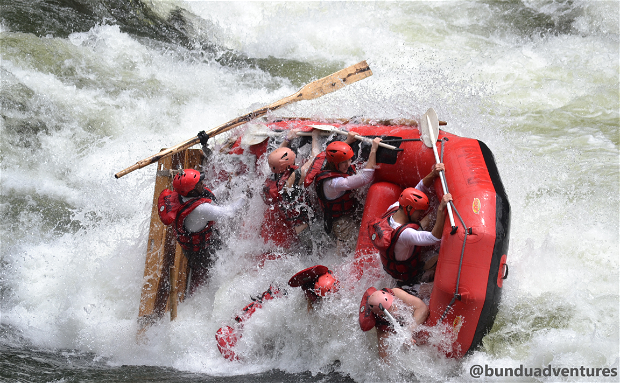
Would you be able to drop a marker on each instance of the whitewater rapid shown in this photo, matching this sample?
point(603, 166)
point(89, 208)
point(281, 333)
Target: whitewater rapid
point(536, 81)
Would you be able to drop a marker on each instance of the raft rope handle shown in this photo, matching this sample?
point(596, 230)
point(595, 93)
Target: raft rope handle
point(458, 277)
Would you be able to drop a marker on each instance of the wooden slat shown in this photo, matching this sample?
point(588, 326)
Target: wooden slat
point(163, 251)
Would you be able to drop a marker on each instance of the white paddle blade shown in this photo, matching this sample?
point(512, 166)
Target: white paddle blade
point(329, 128)
point(255, 134)
point(429, 127)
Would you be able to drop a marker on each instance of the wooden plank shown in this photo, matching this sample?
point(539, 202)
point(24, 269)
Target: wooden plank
point(163, 252)
point(192, 159)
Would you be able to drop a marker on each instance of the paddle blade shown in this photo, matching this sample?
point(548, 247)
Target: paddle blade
point(335, 81)
point(430, 131)
point(255, 134)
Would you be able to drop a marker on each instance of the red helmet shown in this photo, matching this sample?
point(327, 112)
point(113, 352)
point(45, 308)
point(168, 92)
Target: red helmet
point(337, 152)
point(380, 297)
point(186, 181)
point(325, 283)
point(414, 198)
point(280, 159)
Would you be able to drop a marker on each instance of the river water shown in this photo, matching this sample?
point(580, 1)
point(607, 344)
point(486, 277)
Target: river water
point(89, 88)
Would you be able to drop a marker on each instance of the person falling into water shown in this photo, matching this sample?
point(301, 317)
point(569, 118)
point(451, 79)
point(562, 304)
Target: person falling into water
point(317, 282)
point(387, 309)
point(335, 180)
point(284, 189)
point(193, 212)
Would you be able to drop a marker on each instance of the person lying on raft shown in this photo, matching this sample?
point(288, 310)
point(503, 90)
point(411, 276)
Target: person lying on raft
point(284, 188)
point(385, 309)
point(400, 237)
point(335, 179)
point(192, 211)
point(316, 282)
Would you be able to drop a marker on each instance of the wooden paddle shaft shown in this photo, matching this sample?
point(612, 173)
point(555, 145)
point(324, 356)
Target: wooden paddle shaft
point(311, 91)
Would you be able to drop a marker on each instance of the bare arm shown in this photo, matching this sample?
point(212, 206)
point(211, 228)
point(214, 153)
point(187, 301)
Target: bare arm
point(430, 177)
point(350, 138)
point(441, 216)
point(315, 152)
point(372, 158)
point(420, 312)
point(290, 135)
point(304, 168)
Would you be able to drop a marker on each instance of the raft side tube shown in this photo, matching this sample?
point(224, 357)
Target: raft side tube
point(500, 250)
point(481, 202)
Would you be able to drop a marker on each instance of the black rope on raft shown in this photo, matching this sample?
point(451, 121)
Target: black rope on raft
point(458, 277)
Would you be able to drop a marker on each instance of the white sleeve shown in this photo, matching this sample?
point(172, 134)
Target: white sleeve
point(410, 238)
point(335, 187)
point(203, 213)
point(420, 186)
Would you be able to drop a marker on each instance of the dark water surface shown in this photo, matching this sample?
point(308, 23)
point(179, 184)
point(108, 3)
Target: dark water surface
point(20, 364)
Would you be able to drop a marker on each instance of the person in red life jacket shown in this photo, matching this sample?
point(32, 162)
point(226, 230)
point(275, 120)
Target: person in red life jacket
point(284, 188)
point(317, 282)
point(335, 179)
point(192, 211)
point(400, 237)
point(228, 336)
point(387, 308)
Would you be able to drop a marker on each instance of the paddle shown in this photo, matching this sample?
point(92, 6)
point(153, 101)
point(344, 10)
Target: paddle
point(387, 313)
point(430, 131)
point(332, 129)
point(258, 133)
point(311, 91)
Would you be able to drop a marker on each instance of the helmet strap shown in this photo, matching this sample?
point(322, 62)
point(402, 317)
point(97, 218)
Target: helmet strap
point(408, 212)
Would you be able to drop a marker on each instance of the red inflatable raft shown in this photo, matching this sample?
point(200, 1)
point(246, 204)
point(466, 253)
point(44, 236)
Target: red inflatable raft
point(472, 258)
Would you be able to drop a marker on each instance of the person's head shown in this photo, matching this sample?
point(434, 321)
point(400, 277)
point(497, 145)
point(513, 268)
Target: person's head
point(281, 159)
point(325, 284)
point(370, 306)
point(186, 181)
point(339, 154)
point(378, 298)
point(414, 203)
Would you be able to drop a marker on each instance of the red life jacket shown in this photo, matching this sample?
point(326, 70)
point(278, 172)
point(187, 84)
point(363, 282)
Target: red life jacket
point(272, 196)
point(335, 208)
point(172, 211)
point(384, 237)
